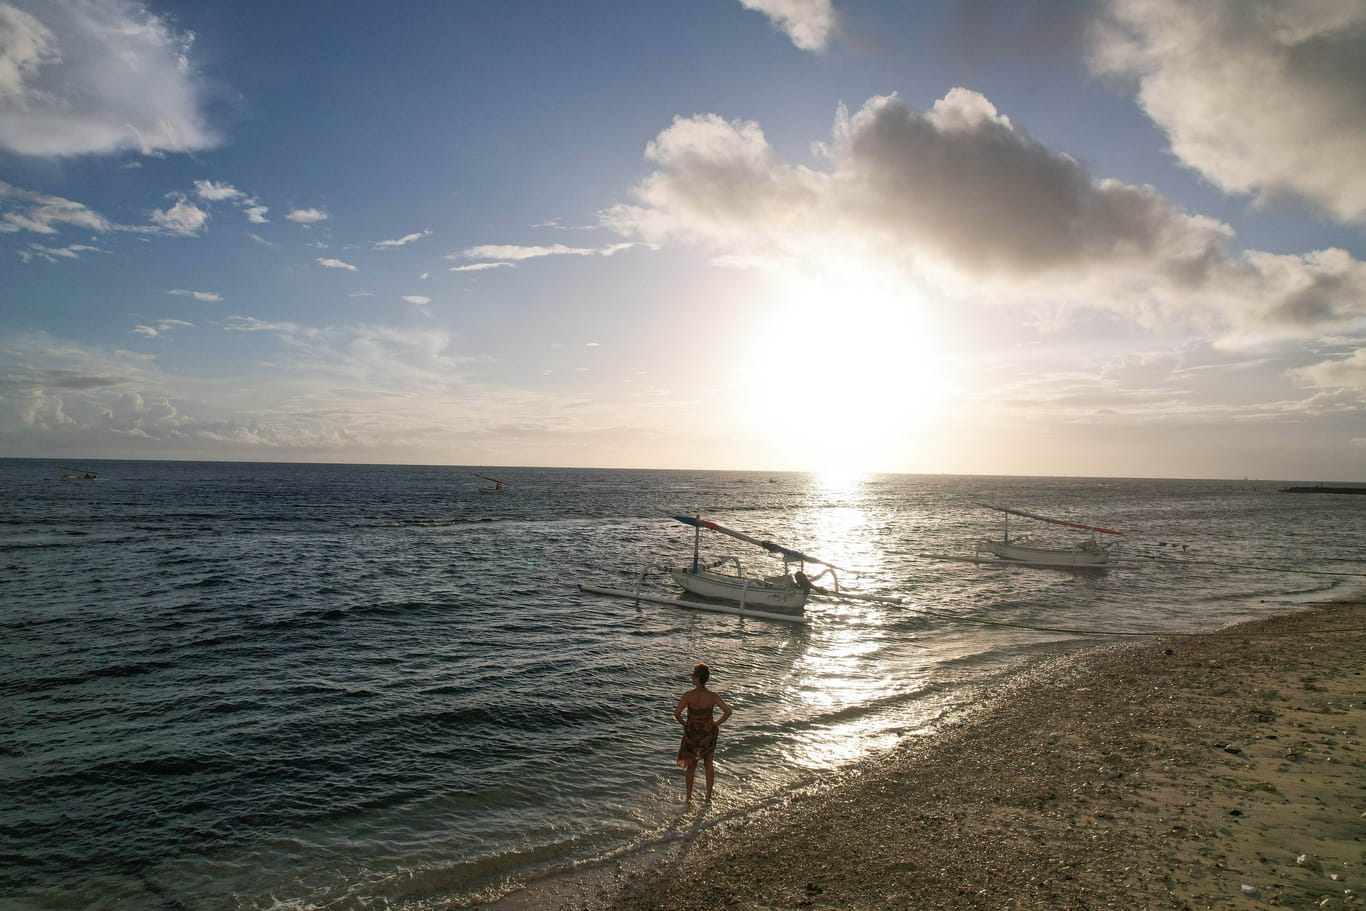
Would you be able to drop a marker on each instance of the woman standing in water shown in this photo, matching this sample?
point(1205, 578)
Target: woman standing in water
point(699, 730)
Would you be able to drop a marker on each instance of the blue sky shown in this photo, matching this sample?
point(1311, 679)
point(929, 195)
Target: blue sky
point(1117, 238)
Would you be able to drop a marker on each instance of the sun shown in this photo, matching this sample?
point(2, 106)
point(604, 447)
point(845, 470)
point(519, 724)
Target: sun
point(844, 375)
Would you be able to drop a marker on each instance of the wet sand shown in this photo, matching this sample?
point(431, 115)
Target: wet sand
point(1219, 771)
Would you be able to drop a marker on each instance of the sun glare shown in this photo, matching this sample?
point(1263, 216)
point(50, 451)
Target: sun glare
point(845, 377)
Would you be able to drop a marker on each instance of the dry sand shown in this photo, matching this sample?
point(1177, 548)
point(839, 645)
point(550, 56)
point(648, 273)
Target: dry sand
point(1220, 771)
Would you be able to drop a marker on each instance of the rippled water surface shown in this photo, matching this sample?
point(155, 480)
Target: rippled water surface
point(246, 686)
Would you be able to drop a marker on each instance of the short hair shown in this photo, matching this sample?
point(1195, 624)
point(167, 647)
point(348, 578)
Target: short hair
point(701, 672)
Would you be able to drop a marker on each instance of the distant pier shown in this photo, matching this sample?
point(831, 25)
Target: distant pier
point(1322, 488)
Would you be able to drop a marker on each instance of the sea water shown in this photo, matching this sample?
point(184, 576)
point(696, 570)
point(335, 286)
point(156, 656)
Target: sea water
point(255, 686)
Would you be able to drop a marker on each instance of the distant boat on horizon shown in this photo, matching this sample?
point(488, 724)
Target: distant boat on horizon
point(1325, 488)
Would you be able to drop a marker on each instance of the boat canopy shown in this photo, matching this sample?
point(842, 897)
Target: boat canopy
point(1031, 515)
point(787, 553)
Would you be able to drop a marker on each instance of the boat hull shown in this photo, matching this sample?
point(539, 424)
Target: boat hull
point(1044, 556)
point(785, 596)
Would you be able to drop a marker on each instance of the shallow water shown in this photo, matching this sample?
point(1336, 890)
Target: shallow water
point(246, 686)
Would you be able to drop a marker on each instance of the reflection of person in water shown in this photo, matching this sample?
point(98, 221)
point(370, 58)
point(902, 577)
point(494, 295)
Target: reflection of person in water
point(699, 730)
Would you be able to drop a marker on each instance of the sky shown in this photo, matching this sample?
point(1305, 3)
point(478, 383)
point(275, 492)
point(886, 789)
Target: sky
point(1120, 238)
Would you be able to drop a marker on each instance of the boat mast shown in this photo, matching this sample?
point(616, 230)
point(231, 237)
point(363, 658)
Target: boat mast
point(696, 544)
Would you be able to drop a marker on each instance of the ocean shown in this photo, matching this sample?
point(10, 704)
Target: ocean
point(278, 686)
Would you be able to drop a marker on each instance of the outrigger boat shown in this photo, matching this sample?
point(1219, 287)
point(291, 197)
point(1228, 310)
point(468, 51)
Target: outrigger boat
point(498, 486)
point(1089, 551)
point(780, 596)
point(785, 592)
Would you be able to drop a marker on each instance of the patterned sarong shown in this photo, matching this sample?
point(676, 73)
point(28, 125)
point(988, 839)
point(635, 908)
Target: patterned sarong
point(699, 741)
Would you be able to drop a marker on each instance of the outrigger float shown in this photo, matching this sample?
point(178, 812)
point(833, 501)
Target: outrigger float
point(781, 596)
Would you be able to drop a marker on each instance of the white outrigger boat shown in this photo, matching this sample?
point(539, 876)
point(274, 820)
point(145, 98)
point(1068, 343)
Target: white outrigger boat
point(1090, 551)
point(785, 592)
point(781, 596)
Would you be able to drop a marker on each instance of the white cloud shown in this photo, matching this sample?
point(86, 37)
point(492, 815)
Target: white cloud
point(52, 254)
point(252, 324)
point(515, 252)
point(307, 216)
point(403, 241)
point(1341, 373)
point(1260, 97)
point(216, 192)
point(418, 299)
point(336, 264)
point(256, 214)
point(809, 23)
point(25, 46)
point(24, 210)
point(964, 198)
point(507, 255)
point(480, 267)
point(183, 218)
point(96, 77)
point(206, 296)
point(160, 327)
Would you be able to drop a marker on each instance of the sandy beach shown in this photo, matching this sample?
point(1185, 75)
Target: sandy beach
point(1217, 771)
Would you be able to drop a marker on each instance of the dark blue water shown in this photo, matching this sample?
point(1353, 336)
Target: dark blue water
point(250, 686)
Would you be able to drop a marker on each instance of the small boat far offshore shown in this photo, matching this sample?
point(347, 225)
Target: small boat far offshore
point(1090, 551)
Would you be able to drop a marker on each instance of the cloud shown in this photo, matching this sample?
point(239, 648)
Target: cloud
point(402, 241)
point(211, 191)
point(24, 210)
point(480, 267)
point(508, 255)
point(809, 23)
point(216, 192)
point(206, 296)
point(161, 326)
point(515, 252)
point(336, 264)
point(307, 216)
point(96, 77)
point(964, 198)
point(1261, 98)
point(52, 254)
point(184, 218)
point(418, 299)
point(1342, 373)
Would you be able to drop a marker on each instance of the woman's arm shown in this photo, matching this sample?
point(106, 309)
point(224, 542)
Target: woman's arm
point(725, 709)
point(678, 709)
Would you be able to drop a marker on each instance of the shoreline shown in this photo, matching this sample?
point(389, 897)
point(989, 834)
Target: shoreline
point(1214, 770)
